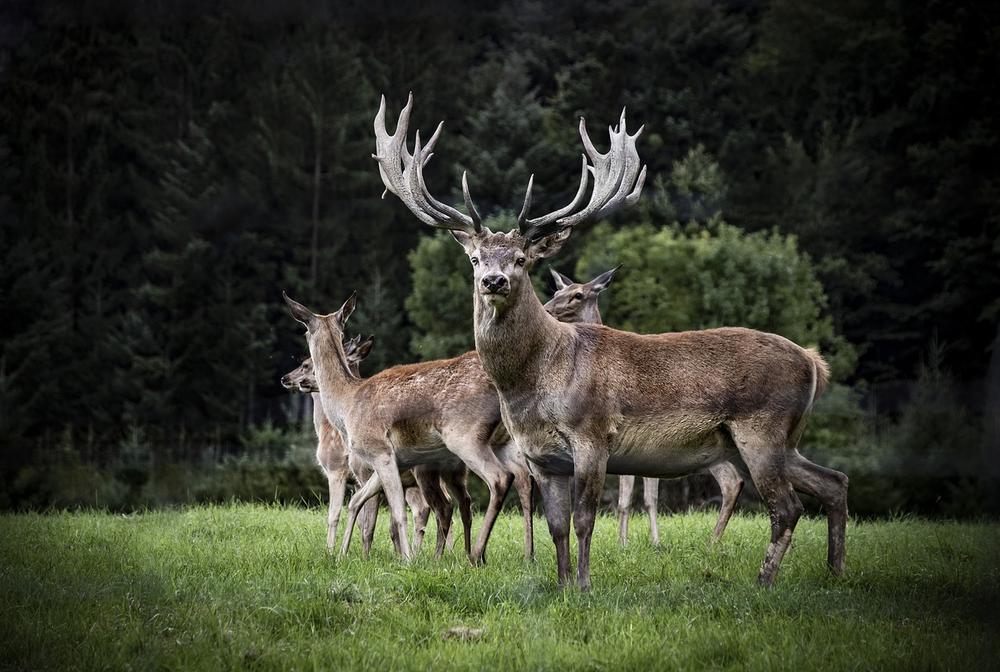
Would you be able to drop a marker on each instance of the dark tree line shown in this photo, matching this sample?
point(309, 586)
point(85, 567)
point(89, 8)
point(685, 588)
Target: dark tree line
point(168, 168)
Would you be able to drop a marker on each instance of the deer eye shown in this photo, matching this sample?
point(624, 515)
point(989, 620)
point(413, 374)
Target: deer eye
point(578, 296)
point(519, 261)
point(475, 261)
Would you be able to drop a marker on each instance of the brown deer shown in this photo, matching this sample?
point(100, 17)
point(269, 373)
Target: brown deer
point(577, 303)
point(333, 458)
point(441, 413)
point(582, 400)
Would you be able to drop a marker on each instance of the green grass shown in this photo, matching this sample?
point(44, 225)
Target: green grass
point(252, 587)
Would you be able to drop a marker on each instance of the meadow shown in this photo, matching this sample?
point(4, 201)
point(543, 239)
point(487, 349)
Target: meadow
point(252, 587)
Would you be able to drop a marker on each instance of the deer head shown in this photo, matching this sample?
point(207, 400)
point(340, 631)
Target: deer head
point(501, 261)
point(303, 378)
point(324, 333)
point(577, 302)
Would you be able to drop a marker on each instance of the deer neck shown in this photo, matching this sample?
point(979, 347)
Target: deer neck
point(336, 383)
point(513, 342)
point(591, 315)
point(320, 422)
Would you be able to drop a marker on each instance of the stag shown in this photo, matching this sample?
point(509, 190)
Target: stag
point(577, 303)
point(583, 400)
point(336, 463)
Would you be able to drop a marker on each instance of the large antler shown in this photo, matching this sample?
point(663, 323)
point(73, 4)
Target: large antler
point(618, 183)
point(403, 174)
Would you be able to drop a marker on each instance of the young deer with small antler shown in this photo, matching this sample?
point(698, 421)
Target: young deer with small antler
point(582, 400)
point(577, 303)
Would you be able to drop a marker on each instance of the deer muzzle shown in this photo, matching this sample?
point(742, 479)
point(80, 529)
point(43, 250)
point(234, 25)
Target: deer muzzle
point(496, 284)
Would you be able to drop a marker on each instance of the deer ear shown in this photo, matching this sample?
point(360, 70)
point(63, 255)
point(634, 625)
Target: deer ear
point(601, 282)
point(464, 239)
point(345, 310)
point(548, 246)
point(365, 348)
point(350, 345)
point(299, 312)
point(562, 282)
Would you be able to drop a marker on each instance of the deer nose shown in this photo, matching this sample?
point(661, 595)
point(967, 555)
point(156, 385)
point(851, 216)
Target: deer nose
point(286, 381)
point(494, 282)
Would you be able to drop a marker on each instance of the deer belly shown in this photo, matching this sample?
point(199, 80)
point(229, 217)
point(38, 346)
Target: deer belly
point(416, 443)
point(655, 457)
point(435, 454)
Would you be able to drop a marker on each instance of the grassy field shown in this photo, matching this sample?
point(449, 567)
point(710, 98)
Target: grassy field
point(252, 587)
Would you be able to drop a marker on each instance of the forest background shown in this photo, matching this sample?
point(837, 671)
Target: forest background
point(826, 171)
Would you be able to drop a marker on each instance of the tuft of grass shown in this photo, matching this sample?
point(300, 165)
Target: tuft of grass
point(253, 587)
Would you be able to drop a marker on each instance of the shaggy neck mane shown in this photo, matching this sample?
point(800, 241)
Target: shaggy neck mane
point(511, 339)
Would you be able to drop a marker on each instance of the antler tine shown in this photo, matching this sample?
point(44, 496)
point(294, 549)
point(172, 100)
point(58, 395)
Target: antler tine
point(522, 218)
point(429, 147)
point(445, 215)
point(618, 180)
point(402, 173)
point(609, 170)
point(632, 179)
point(533, 228)
point(469, 205)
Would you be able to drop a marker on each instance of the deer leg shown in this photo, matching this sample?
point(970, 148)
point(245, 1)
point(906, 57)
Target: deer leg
point(387, 471)
point(394, 536)
point(444, 513)
point(556, 500)
point(650, 498)
point(830, 488)
point(512, 459)
point(371, 488)
point(337, 480)
point(449, 542)
point(731, 485)
point(430, 487)
point(590, 466)
point(369, 512)
point(367, 519)
point(765, 459)
point(459, 489)
point(417, 501)
point(483, 463)
point(523, 486)
point(626, 485)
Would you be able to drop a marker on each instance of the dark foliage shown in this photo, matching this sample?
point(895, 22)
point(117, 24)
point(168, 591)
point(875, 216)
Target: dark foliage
point(168, 167)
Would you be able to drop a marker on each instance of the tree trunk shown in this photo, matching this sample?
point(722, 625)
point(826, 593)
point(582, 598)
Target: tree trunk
point(71, 226)
point(317, 173)
point(307, 402)
point(991, 446)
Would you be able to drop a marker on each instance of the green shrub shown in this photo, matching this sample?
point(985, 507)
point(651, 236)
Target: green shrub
point(675, 279)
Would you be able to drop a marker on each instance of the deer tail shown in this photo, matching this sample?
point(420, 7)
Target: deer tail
point(821, 374)
point(820, 380)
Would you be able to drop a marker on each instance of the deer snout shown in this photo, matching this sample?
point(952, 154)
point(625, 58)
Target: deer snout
point(495, 283)
point(286, 380)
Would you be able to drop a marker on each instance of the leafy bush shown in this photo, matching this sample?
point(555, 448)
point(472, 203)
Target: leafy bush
point(675, 279)
point(936, 433)
point(440, 304)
